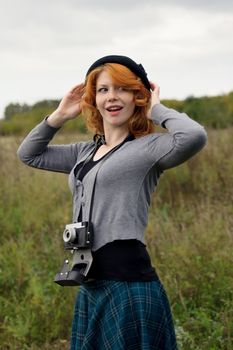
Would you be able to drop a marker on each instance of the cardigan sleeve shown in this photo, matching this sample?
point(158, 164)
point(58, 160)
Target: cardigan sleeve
point(35, 150)
point(183, 139)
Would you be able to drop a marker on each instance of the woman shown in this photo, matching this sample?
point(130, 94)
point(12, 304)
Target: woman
point(122, 303)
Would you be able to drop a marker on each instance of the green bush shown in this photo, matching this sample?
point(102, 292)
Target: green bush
point(22, 123)
point(215, 112)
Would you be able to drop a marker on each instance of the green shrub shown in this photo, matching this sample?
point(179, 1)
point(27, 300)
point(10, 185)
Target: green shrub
point(215, 112)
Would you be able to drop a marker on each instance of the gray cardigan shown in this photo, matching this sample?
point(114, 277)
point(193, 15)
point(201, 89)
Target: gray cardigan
point(126, 179)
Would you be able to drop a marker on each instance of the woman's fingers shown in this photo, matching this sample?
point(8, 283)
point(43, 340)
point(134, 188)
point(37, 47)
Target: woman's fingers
point(76, 93)
point(76, 88)
point(154, 86)
point(154, 96)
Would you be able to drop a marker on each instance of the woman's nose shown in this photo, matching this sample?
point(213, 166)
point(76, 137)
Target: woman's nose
point(112, 94)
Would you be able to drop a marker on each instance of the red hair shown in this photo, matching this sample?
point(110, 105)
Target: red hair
point(139, 124)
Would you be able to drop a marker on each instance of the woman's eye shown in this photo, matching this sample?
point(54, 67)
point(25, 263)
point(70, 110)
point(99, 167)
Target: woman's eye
point(123, 89)
point(103, 89)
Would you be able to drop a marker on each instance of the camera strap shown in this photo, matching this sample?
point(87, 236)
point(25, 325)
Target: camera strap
point(76, 272)
point(97, 168)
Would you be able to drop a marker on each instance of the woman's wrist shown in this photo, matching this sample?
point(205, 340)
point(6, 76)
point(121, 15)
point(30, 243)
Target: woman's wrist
point(56, 119)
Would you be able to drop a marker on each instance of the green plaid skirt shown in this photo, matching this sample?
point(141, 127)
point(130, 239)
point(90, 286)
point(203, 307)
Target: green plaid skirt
point(112, 315)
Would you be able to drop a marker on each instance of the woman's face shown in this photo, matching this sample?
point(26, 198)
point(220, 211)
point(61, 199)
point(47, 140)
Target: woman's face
point(115, 103)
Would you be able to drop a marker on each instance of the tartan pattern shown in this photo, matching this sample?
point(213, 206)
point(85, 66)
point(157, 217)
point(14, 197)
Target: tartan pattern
point(111, 315)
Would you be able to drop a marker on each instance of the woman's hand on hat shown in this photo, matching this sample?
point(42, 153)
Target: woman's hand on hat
point(154, 97)
point(69, 107)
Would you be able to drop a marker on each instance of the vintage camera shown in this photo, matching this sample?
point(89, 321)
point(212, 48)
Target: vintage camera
point(78, 238)
point(78, 235)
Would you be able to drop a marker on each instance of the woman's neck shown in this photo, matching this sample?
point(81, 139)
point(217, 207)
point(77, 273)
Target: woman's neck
point(115, 137)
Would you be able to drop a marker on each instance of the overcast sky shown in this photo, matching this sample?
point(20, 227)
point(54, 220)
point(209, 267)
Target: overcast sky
point(46, 46)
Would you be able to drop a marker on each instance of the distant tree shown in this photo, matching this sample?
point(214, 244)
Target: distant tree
point(175, 104)
point(45, 104)
point(212, 111)
point(15, 108)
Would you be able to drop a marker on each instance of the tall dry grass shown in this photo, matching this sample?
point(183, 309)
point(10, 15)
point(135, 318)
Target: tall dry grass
point(189, 236)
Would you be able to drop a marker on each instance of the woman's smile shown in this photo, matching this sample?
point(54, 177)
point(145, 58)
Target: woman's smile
point(114, 110)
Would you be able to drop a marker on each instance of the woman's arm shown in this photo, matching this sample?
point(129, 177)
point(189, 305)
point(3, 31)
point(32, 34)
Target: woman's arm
point(35, 151)
point(185, 137)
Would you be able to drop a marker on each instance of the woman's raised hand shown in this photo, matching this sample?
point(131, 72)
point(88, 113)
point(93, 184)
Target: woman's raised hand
point(154, 97)
point(69, 107)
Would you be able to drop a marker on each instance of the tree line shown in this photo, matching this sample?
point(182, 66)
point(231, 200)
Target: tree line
point(211, 111)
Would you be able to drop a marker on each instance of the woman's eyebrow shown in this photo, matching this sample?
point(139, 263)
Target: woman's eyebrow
point(102, 84)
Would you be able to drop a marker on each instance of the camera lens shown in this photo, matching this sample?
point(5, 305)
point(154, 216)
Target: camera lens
point(69, 235)
point(66, 236)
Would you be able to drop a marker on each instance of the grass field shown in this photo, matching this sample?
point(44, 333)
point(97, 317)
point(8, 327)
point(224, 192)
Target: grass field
point(189, 236)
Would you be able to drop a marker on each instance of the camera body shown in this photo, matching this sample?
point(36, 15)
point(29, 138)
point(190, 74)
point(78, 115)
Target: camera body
point(78, 235)
point(78, 238)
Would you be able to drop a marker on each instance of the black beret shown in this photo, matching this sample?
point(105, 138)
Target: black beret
point(137, 69)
